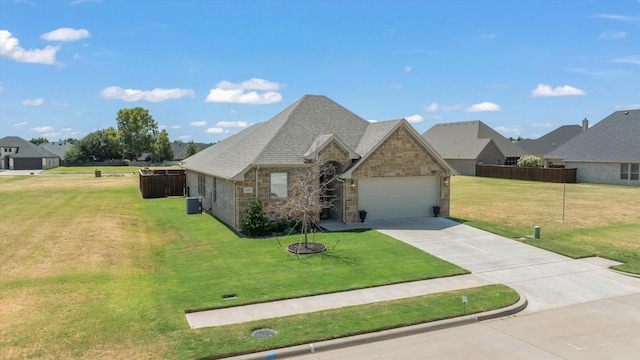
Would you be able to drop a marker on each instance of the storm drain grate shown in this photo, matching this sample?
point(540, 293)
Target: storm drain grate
point(263, 333)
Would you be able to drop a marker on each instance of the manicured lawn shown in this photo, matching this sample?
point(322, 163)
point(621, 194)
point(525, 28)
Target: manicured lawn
point(602, 220)
point(90, 269)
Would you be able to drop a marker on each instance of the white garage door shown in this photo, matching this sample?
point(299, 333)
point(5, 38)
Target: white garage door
point(397, 197)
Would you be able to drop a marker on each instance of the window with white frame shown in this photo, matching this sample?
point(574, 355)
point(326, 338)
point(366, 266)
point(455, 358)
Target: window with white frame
point(630, 171)
point(279, 186)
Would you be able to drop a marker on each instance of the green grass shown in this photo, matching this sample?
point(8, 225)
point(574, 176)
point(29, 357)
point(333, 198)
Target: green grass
point(203, 260)
point(330, 324)
point(91, 270)
point(576, 220)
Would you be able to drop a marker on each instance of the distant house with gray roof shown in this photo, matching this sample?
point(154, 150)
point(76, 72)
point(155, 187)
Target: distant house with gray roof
point(607, 153)
point(57, 147)
point(469, 143)
point(552, 140)
point(385, 168)
point(179, 149)
point(19, 154)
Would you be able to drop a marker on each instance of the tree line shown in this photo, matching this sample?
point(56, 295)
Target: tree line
point(137, 133)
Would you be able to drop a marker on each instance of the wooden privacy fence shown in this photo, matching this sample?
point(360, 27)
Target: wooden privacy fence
point(552, 174)
point(159, 183)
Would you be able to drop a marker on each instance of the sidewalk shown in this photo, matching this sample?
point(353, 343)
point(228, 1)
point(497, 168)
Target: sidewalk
point(246, 313)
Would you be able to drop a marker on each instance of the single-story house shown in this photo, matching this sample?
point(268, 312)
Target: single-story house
point(607, 153)
point(19, 154)
point(469, 143)
point(57, 147)
point(552, 140)
point(385, 168)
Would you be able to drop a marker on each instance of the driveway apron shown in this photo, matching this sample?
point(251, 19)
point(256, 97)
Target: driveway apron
point(547, 279)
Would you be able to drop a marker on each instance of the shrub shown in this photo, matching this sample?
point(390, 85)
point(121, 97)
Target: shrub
point(530, 161)
point(255, 223)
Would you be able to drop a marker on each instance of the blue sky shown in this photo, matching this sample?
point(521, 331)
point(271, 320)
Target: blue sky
point(207, 69)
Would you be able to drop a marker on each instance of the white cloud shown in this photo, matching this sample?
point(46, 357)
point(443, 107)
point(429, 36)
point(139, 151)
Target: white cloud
point(198, 123)
point(176, 126)
point(10, 47)
point(61, 104)
point(546, 90)
point(252, 84)
point(228, 92)
point(440, 107)
point(629, 60)
point(155, 95)
point(414, 119)
point(33, 102)
point(184, 137)
point(43, 129)
point(66, 34)
point(215, 130)
point(372, 121)
point(19, 124)
point(408, 69)
point(239, 124)
point(623, 18)
point(542, 125)
point(507, 130)
point(613, 35)
point(484, 106)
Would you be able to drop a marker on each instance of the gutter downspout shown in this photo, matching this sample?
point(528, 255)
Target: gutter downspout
point(344, 200)
point(257, 168)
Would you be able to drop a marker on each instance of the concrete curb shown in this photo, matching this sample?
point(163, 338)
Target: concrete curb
point(345, 342)
point(625, 273)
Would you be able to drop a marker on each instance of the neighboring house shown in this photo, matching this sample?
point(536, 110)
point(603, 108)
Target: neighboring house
point(19, 154)
point(59, 148)
point(180, 148)
point(551, 141)
point(607, 153)
point(385, 168)
point(469, 143)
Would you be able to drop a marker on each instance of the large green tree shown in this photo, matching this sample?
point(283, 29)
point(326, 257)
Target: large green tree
point(137, 131)
point(39, 140)
point(191, 149)
point(99, 145)
point(161, 148)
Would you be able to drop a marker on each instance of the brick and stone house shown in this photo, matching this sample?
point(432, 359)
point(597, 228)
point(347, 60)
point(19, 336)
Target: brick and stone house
point(606, 153)
point(466, 144)
point(385, 168)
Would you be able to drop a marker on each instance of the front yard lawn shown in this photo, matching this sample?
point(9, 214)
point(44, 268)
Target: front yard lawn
point(89, 269)
point(576, 220)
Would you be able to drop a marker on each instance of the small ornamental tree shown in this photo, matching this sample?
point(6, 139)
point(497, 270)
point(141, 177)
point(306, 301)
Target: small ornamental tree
point(530, 161)
point(308, 195)
point(255, 223)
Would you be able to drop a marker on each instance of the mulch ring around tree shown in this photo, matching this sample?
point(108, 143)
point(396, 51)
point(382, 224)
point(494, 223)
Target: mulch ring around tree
point(308, 248)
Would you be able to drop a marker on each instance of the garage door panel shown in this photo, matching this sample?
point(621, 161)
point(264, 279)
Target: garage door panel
point(397, 197)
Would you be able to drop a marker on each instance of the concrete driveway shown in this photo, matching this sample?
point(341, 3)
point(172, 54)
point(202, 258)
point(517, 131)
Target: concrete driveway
point(547, 279)
point(19, 172)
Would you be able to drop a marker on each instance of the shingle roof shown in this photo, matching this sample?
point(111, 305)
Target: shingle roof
point(467, 139)
point(59, 148)
point(25, 148)
point(615, 138)
point(179, 148)
point(551, 141)
point(312, 121)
